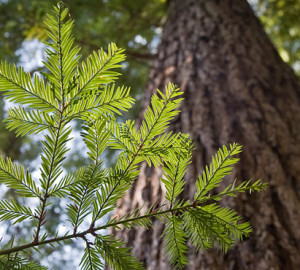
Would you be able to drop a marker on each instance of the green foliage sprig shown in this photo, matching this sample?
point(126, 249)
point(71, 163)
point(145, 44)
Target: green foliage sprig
point(86, 91)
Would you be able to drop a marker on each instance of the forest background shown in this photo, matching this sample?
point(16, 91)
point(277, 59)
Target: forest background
point(135, 25)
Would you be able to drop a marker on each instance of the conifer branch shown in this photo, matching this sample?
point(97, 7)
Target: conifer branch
point(87, 92)
point(61, 77)
point(25, 96)
point(150, 128)
point(42, 215)
point(92, 230)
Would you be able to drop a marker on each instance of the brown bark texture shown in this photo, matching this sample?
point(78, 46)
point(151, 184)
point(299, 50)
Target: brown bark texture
point(237, 89)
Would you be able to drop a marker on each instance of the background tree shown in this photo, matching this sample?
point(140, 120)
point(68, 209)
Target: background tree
point(236, 88)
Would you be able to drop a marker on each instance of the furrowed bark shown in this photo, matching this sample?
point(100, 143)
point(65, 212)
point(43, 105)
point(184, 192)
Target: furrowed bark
point(236, 88)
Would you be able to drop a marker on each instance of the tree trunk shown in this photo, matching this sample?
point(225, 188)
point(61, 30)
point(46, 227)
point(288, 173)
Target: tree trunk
point(236, 88)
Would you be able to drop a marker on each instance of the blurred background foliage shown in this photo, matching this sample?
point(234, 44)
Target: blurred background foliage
point(135, 25)
point(281, 20)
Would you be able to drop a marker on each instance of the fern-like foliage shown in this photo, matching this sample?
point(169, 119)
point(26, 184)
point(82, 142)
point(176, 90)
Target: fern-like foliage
point(214, 225)
point(116, 255)
point(11, 263)
point(19, 87)
point(86, 91)
point(16, 177)
point(28, 122)
point(175, 241)
point(91, 259)
point(11, 210)
point(220, 166)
